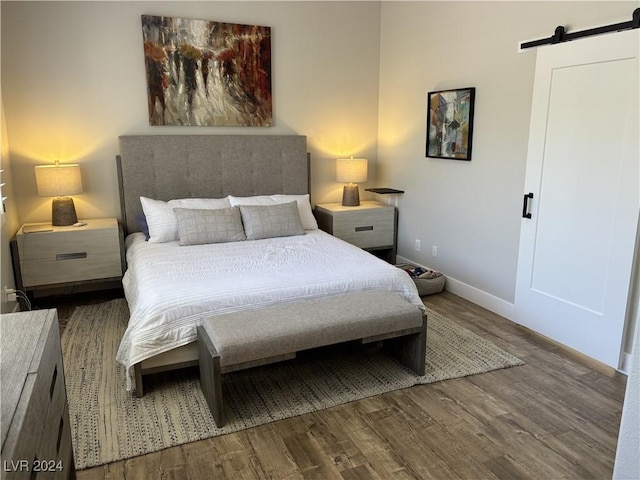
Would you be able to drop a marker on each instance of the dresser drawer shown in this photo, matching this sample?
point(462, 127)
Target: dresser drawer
point(367, 228)
point(65, 454)
point(49, 245)
point(54, 414)
point(71, 268)
point(22, 440)
point(55, 425)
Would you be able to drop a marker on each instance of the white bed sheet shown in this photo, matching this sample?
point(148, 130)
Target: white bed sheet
point(170, 288)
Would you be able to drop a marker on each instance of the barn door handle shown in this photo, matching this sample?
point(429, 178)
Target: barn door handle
point(525, 205)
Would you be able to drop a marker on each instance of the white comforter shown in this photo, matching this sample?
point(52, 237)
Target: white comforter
point(170, 288)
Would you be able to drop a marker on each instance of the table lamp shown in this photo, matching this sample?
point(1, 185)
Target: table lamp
point(59, 181)
point(351, 171)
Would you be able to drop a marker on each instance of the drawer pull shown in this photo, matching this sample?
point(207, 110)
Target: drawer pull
point(60, 429)
point(364, 229)
point(34, 471)
point(53, 381)
point(71, 256)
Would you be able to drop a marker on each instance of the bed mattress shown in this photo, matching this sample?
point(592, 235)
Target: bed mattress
point(171, 288)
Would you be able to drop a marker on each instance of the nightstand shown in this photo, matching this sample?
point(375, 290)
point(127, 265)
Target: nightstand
point(52, 256)
point(371, 226)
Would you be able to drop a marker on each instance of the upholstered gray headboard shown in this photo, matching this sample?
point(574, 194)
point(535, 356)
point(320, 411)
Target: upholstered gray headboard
point(165, 167)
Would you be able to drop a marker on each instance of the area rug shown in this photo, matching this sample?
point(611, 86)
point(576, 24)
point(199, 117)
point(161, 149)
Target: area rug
point(110, 424)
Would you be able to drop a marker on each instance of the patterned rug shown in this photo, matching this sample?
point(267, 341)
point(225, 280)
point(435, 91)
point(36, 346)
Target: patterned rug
point(109, 424)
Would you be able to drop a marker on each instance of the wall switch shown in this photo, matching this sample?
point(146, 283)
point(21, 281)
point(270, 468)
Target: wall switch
point(417, 245)
point(434, 251)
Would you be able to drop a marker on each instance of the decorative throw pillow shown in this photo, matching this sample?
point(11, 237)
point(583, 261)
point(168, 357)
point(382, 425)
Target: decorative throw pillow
point(161, 219)
point(199, 226)
point(266, 221)
point(304, 206)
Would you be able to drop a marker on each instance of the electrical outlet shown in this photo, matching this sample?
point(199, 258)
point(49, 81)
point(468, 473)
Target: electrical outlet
point(8, 295)
point(434, 251)
point(417, 245)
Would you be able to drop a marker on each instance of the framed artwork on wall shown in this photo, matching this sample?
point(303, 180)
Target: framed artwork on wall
point(450, 123)
point(207, 73)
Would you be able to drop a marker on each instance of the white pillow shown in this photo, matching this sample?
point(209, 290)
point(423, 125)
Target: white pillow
point(201, 203)
point(304, 206)
point(162, 220)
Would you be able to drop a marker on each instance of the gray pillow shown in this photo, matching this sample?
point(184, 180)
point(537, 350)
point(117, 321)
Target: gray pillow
point(196, 227)
point(266, 221)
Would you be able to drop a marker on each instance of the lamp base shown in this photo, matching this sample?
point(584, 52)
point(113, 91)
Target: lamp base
point(63, 212)
point(350, 196)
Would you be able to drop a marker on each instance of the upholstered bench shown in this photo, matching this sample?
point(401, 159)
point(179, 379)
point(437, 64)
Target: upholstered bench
point(254, 337)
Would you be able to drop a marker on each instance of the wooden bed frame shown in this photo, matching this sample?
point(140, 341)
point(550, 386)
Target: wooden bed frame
point(166, 167)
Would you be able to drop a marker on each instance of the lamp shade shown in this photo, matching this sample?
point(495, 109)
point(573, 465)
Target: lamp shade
point(58, 180)
point(351, 170)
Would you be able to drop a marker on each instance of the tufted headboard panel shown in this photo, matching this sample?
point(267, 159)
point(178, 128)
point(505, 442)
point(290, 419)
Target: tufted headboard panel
point(165, 167)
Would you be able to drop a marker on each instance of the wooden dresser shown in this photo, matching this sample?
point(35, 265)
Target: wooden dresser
point(36, 434)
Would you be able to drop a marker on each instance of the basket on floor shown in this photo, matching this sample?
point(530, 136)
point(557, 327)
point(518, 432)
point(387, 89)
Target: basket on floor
point(427, 281)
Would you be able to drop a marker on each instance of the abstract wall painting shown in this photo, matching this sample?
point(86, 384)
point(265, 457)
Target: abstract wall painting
point(450, 123)
point(207, 73)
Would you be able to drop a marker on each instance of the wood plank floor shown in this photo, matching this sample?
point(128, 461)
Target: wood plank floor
point(555, 417)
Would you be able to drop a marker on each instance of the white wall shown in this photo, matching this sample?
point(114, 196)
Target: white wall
point(627, 464)
point(73, 81)
point(470, 210)
point(9, 222)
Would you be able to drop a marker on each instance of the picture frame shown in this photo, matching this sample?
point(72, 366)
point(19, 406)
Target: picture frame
point(207, 73)
point(450, 123)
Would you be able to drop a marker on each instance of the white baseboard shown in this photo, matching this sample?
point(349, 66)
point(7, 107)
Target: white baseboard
point(482, 298)
point(473, 294)
point(625, 363)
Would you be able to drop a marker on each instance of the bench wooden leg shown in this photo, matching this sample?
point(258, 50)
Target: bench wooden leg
point(411, 350)
point(210, 375)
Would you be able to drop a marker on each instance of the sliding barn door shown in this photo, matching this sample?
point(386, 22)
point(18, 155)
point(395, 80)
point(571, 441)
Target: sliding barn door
point(579, 226)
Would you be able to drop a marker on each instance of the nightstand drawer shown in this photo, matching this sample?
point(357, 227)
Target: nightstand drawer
point(50, 245)
point(367, 228)
point(69, 268)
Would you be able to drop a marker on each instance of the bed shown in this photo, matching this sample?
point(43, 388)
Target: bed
point(170, 287)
